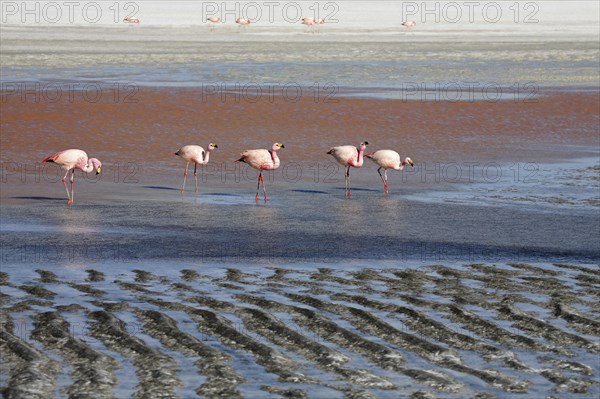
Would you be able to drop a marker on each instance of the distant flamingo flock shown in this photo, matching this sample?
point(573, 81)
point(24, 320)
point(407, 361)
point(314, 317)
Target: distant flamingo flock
point(260, 159)
point(312, 24)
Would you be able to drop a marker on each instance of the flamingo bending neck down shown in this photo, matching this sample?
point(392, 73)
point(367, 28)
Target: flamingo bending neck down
point(243, 22)
point(388, 159)
point(349, 155)
point(312, 24)
point(72, 159)
point(196, 154)
point(213, 21)
point(262, 160)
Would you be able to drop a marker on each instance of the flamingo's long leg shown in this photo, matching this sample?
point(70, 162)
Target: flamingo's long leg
point(264, 188)
point(258, 184)
point(382, 178)
point(196, 175)
point(348, 181)
point(385, 182)
point(64, 182)
point(72, 186)
point(184, 176)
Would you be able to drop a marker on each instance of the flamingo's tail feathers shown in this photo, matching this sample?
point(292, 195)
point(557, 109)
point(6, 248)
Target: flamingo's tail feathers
point(50, 159)
point(242, 159)
point(369, 155)
point(330, 152)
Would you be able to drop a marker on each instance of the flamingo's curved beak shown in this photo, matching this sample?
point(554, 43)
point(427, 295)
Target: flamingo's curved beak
point(411, 163)
point(281, 146)
point(98, 171)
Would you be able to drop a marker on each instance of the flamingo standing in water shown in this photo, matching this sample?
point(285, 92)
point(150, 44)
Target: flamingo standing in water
point(312, 23)
point(388, 159)
point(213, 21)
point(349, 155)
point(196, 154)
point(262, 160)
point(409, 24)
point(72, 159)
point(131, 21)
point(243, 22)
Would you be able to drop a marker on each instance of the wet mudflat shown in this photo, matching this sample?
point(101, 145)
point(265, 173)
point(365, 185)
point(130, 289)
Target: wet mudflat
point(435, 331)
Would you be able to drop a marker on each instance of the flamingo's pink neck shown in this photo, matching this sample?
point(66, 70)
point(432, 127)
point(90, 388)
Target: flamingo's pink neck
point(360, 160)
point(274, 156)
point(207, 155)
point(91, 165)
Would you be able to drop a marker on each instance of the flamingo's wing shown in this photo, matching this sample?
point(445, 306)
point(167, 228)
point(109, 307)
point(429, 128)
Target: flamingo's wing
point(52, 158)
point(256, 158)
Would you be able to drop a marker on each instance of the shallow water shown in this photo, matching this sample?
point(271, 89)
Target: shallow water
point(302, 222)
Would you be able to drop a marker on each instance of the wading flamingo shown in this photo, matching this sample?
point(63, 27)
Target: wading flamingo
point(197, 155)
point(243, 22)
point(262, 160)
point(131, 20)
point(312, 23)
point(388, 159)
point(349, 155)
point(69, 160)
point(213, 21)
point(409, 24)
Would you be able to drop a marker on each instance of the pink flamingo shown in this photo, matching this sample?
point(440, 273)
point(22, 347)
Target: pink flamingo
point(409, 24)
point(349, 155)
point(388, 159)
point(131, 20)
point(197, 155)
point(262, 160)
point(213, 21)
point(312, 23)
point(72, 159)
point(243, 22)
point(309, 22)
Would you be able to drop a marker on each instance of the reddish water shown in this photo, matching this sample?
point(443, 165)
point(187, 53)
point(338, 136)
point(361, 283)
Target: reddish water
point(150, 130)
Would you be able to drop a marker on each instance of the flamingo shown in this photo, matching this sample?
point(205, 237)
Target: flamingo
point(262, 160)
point(196, 154)
point(349, 155)
point(409, 24)
point(213, 21)
point(309, 22)
point(312, 23)
point(388, 159)
point(243, 22)
point(72, 159)
point(131, 20)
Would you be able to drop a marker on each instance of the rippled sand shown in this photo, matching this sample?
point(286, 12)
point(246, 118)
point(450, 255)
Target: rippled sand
point(432, 331)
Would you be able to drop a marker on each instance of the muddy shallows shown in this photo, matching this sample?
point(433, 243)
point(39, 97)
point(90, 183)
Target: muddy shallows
point(438, 331)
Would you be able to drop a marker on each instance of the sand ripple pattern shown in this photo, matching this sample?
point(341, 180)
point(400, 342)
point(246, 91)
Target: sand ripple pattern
point(474, 330)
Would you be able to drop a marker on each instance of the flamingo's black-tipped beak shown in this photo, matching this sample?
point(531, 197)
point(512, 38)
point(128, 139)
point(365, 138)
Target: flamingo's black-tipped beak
point(411, 163)
point(282, 146)
point(98, 171)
